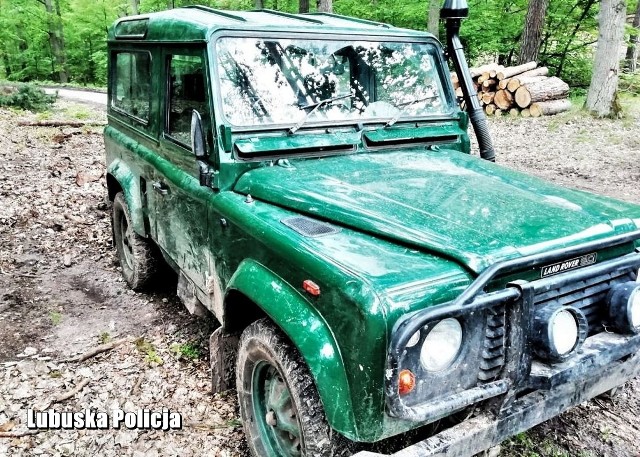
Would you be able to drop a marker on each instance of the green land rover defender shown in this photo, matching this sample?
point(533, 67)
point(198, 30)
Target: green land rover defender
point(309, 178)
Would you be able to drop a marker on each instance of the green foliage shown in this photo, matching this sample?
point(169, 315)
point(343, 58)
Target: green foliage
point(149, 351)
point(492, 32)
point(187, 351)
point(26, 97)
point(630, 84)
point(56, 318)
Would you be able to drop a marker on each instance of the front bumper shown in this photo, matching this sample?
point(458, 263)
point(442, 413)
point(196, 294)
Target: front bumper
point(606, 361)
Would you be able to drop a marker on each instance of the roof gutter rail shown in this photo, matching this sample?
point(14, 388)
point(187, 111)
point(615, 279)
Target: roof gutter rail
point(215, 11)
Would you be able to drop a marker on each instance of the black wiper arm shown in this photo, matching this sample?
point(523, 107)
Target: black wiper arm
point(408, 105)
point(315, 107)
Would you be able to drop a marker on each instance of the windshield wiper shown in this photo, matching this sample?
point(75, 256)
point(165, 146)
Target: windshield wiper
point(403, 111)
point(315, 107)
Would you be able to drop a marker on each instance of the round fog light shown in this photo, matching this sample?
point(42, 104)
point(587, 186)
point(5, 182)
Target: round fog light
point(558, 332)
point(442, 345)
point(624, 307)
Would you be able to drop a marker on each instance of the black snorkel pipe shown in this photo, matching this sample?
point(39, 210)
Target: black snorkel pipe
point(453, 12)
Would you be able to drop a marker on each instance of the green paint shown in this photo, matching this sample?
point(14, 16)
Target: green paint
point(418, 217)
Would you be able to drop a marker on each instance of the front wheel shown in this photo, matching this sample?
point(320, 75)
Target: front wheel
point(280, 408)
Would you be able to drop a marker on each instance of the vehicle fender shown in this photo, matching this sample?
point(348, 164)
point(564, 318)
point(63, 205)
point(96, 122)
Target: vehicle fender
point(308, 331)
point(130, 184)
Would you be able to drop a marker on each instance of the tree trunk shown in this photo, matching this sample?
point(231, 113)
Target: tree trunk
point(631, 59)
point(325, 6)
point(303, 6)
point(135, 7)
point(602, 98)
point(259, 4)
point(532, 34)
point(56, 39)
point(433, 18)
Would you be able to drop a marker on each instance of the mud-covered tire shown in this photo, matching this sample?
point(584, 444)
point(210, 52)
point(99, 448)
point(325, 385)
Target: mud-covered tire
point(139, 259)
point(263, 343)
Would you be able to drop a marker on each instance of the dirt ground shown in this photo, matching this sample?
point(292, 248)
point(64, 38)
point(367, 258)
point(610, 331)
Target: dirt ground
point(61, 295)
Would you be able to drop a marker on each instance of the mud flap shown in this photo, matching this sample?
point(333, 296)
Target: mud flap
point(187, 293)
point(223, 352)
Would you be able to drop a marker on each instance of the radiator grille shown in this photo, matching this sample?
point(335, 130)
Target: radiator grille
point(589, 296)
point(493, 352)
point(309, 227)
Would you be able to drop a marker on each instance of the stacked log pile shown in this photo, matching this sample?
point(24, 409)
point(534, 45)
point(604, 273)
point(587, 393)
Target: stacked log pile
point(524, 90)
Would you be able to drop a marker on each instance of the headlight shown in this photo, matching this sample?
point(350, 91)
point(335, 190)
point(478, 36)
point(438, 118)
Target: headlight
point(624, 307)
point(441, 346)
point(558, 332)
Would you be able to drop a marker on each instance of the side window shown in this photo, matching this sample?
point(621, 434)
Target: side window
point(132, 84)
point(186, 93)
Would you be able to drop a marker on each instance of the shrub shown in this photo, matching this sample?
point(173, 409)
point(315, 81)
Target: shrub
point(26, 97)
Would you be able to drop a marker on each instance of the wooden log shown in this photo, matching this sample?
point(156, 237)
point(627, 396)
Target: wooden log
point(514, 112)
point(550, 107)
point(535, 112)
point(488, 97)
point(489, 83)
point(475, 72)
point(482, 78)
point(503, 99)
point(503, 84)
point(517, 81)
point(512, 71)
point(490, 109)
point(525, 112)
point(512, 85)
point(75, 124)
point(541, 91)
point(540, 71)
point(459, 92)
point(497, 112)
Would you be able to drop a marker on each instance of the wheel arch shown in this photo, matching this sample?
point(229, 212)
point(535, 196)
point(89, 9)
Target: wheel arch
point(254, 291)
point(120, 178)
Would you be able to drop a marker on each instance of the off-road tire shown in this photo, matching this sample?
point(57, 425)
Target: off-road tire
point(263, 341)
point(144, 258)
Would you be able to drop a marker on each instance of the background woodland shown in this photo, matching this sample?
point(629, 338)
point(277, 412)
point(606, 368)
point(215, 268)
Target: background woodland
point(64, 41)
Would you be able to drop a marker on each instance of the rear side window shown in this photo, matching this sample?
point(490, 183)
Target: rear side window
point(132, 84)
point(186, 93)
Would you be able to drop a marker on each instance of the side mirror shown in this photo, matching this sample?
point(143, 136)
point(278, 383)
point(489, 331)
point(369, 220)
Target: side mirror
point(197, 136)
point(199, 149)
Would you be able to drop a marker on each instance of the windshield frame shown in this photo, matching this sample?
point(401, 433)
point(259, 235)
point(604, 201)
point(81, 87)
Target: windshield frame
point(441, 67)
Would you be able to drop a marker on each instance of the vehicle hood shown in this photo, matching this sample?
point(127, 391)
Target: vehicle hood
point(442, 201)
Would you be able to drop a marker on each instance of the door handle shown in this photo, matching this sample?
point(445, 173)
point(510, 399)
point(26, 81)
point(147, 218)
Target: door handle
point(160, 188)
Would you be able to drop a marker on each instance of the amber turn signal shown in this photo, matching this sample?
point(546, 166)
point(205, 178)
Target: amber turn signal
point(406, 382)
point(311, 288)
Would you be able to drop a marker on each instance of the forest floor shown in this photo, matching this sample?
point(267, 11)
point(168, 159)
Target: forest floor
point(61, 294)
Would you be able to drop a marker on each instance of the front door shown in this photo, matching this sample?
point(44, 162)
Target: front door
point(180, 203)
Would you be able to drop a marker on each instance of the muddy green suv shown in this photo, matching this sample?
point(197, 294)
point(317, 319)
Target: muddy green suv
point(309, 178)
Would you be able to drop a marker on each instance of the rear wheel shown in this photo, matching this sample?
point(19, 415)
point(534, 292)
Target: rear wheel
point(281, 411)
point(139, 259)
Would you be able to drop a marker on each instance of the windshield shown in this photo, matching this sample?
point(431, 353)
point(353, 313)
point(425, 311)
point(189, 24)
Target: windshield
point(285, 82)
